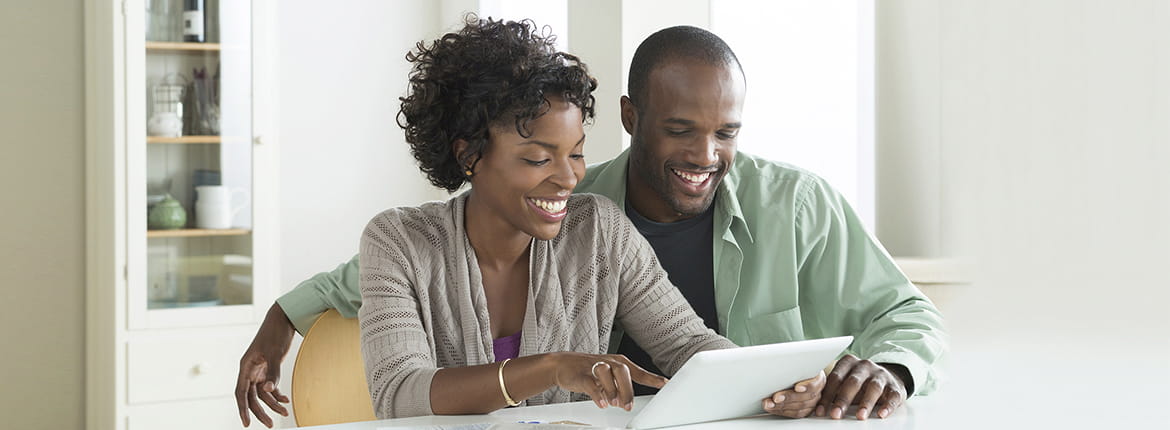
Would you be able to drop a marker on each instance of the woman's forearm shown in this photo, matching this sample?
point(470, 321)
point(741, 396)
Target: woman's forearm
point(476, 389)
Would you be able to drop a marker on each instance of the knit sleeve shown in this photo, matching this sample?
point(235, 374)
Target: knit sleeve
point(650, 309)
point(399, 358)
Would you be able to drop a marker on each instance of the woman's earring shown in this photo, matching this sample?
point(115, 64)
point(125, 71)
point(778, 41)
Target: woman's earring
point(467, 172)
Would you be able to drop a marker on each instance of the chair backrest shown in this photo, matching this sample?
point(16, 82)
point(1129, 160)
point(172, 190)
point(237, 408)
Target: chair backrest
point(329, 378)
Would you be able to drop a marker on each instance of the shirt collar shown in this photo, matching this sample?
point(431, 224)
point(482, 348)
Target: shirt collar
point(727, 202)
point(610, 180)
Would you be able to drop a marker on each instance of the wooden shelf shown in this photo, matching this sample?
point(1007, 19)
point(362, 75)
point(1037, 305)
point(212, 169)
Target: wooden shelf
point(184, 139)
point(196, 232)
point(182, 46)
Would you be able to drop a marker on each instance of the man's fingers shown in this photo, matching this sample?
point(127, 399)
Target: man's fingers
point(280, 396)
point(810, 384)
point(797, 406)
point(801, 413)
point(242, 384)
point(888, 403)
point(790, 396)
point(845, 394)
point(254, 405)
point(788, 410)
point(273, 393)
point(241, 401)
point(268, 399)
point(788, 402)
point(869, 396)
point(833, 383)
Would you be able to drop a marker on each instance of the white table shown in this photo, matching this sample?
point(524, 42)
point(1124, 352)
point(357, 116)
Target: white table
point(909, 416)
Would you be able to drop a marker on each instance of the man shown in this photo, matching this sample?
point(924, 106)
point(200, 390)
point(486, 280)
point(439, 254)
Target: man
point(791, 260)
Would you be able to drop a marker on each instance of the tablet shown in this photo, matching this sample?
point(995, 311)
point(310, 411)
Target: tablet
point(732, 383)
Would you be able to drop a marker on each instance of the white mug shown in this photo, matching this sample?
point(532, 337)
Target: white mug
point(165, 124)
point(213, 208)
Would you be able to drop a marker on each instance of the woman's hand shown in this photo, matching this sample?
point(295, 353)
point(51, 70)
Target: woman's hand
point(605, 378)
point(799, 401)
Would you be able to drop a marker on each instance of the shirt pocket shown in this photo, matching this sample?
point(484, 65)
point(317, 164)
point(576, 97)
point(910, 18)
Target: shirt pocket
point(783, 326)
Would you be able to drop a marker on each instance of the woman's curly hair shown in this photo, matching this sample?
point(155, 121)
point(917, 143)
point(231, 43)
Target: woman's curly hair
point(489, 73)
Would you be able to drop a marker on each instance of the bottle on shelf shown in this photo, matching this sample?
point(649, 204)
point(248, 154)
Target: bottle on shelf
point(193, 21)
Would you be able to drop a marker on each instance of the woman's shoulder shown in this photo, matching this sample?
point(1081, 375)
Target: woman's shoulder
point(424, 222)
point(588, 202)
point(589, 214)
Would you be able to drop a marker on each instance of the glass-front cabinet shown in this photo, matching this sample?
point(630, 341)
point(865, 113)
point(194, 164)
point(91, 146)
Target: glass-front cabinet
point(196, 144)
point(181, 254)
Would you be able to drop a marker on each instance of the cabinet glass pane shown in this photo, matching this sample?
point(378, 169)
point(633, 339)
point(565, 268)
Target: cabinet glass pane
point(198, 153)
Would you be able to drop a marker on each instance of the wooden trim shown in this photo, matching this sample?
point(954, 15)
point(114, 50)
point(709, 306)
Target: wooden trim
point(182, 46)
point(105, 208)
point(184, 139)
point(197, 232)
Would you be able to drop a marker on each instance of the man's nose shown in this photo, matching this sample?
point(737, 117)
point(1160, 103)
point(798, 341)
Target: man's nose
point(703, 152)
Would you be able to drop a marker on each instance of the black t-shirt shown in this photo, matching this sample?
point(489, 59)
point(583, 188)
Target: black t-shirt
point(684, 249)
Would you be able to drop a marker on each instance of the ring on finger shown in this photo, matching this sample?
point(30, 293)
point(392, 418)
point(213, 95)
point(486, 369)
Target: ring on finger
point(593, 370)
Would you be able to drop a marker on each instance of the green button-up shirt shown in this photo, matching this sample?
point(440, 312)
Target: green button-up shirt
point(792, 262)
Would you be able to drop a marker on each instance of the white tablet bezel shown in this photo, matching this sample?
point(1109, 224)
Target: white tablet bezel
point(732, 383)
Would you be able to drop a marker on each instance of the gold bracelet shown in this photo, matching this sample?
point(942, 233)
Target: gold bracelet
point(504, 389)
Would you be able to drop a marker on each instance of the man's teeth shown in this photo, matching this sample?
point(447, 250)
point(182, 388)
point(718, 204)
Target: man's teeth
point(551, 206)
point(691, 177)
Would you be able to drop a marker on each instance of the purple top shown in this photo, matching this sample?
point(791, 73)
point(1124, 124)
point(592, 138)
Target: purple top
point(506, 347)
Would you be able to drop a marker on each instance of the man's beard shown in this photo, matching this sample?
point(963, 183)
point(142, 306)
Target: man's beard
point(655, 175)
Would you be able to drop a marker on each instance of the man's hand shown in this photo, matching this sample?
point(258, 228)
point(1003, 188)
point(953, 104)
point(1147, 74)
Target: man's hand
point(799, 401)
point(260, 368)
point(862, 382)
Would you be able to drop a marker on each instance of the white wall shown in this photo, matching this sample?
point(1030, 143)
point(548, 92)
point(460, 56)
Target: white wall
point(1042, 131)
point(909, 167)
point(343, 157)
point(810, 80)
point(42, 215)
point(605, 34)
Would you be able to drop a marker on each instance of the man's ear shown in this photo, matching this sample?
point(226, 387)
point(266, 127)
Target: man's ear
point(629, 115)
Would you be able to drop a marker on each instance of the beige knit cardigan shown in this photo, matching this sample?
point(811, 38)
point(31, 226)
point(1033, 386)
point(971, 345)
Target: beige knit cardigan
point(423, 305)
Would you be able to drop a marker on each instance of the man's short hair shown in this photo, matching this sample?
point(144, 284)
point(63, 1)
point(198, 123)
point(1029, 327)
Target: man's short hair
point(673, 43)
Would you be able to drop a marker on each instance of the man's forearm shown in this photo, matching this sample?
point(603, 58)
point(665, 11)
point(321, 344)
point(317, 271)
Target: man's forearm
point(276, 327)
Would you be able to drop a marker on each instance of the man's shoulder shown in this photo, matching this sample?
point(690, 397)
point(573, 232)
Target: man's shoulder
point(757, 180)
point(598, 176)
point(753, 167)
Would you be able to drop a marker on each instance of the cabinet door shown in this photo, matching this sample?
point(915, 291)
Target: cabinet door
point(191, 162)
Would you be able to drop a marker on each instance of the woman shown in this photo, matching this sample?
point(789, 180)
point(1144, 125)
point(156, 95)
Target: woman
point(506, 294)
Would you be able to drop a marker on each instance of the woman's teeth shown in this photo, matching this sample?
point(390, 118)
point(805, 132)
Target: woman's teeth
point(691, 177)
point(550, 206)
